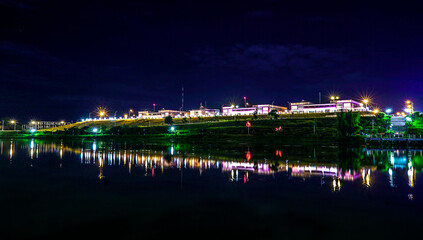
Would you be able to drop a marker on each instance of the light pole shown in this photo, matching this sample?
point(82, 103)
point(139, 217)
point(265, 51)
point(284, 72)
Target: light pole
point(154, 107)
point(34, 123)
point(89, 115)
point(13, 122)
point(366, 101)
point(245, 101)
point(409, 106)
point(333, 98)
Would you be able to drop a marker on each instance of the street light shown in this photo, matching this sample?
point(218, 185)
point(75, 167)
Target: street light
point(333, 98)
point(409, 106)
point(154, 107)
point(366, 101)
point(13, 122)
point(388, 111)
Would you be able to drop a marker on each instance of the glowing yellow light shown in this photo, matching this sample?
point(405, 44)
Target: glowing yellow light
point(409, 106)
point(408, 102)
point(12, 122)
point(332, 98)
point(33, 122)
point(376, 110)
point(232, 106)
point(366, 100)
point(102, 112)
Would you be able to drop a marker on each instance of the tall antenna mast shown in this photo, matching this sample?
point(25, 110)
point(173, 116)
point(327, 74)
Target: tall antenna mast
point(182, 108)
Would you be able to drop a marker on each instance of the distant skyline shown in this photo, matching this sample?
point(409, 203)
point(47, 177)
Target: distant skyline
point(63, 59)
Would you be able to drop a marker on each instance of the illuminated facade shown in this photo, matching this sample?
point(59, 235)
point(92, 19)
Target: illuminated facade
point(261, 109)
point(173, 113)
point(204, 112)
point(149, 114)
point(333, 106)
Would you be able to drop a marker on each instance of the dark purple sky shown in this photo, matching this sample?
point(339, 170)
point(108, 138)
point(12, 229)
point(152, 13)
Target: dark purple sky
point(62, 59)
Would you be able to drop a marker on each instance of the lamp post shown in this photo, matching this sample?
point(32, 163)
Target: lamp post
point(14, 123)
point(245, 101)
point(366, 101)
point(154, 107)
point(333, 98)
point(409, 106)
point(89, 115)
point(34, 123)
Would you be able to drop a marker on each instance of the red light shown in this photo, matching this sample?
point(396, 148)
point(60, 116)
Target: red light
point(248, 156)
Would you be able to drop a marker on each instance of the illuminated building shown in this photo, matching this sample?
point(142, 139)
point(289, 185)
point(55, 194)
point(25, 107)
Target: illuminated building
point(173, 113)
point(149, 114)
point(333, 106)
point(204, 112)
point(262, 109)
point(44, 124)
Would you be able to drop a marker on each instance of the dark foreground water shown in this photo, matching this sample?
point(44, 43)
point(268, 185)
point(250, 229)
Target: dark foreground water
point(130, 190)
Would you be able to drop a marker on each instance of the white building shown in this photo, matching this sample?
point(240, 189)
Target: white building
point(173, 113)
point(149, 114)
point(262, 109)
point(333, 106)
point(204, 112)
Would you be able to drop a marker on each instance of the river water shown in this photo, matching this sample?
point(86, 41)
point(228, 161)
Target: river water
point(131, 190)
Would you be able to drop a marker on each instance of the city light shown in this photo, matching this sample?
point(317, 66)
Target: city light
point(334, 98)
point(33, 130)
point(172, 129)
point(388, 111)
point(102, 112)
point(408, 119)
point(95, 130)
point(376, 111)
point(409, 108)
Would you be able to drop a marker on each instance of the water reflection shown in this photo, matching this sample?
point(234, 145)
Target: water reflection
point(349, 165)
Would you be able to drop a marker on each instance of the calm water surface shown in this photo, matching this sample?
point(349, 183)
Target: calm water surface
point(133, 190)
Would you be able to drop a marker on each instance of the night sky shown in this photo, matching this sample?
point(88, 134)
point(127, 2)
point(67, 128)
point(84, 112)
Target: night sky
point(62, 59)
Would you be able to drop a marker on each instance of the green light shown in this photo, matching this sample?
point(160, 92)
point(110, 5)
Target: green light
point(172, 128)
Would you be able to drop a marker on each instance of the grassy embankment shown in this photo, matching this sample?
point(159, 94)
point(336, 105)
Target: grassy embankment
point(294, 128)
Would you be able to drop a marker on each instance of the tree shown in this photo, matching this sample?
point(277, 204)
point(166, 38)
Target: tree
point(255, 115)
point(184, 120)
point(274, 114)
point(168, 120)
point(348, 123)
